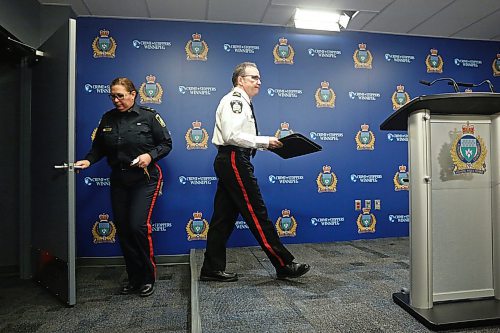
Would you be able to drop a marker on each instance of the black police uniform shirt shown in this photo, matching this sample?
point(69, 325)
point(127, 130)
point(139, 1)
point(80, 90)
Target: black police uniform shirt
point(122, 136)
point(234, 123)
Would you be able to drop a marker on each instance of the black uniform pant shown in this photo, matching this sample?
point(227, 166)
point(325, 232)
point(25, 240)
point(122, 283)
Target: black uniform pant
point(239, 193)
point(133, 196)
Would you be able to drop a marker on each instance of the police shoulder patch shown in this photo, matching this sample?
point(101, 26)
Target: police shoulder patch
point(158, 118)
point(236, 93)
point(236, 106)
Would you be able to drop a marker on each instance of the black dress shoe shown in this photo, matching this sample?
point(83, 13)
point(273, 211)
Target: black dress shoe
point(218, 276)
point(129, 289)
point(146, 290)
point(292, 270)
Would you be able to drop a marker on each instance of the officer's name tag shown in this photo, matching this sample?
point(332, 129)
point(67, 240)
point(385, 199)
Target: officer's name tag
point(107, 129)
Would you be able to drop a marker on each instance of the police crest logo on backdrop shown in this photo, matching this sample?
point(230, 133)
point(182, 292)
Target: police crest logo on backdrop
point(104, 230)
point(104, 46)
point(362, 57)
point(496, 65)
point(196, 137)
point(434, 62)
point(400, 97)
point(326, 180)
point(325, 96)
point(286, 225)
point(283, 131)
point(365, 139)
point(196, 48)
point(468, 152)
point(283, 52)
point(151, 91)
point(197, 227)
point(366, 221)
point(401, 179)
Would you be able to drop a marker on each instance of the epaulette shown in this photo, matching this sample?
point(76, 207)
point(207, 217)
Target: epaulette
point(147, 108)
point(236, 93)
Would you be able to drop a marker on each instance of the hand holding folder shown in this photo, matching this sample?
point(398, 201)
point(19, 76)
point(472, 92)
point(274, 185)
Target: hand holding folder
point(296, 145)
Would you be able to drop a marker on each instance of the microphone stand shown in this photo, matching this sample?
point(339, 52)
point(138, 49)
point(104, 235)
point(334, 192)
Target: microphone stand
point(471, 85)
point(490, 85)
point(449, 79)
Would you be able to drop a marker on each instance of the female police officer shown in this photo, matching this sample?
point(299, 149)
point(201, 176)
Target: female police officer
point(132, 138)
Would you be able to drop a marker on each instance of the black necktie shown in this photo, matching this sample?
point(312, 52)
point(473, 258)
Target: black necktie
point(254, 151)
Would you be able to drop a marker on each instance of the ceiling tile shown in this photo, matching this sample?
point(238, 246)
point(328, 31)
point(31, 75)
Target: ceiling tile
point(454, 17)
point(302, 3)
point(444, 18)
point(487, 28)
point(360, 20)
point(77, 5)
point(402, 15)
point(280, 15)
point(361, 5)
point(237, 11)
point(178, 9)
point(123, 8)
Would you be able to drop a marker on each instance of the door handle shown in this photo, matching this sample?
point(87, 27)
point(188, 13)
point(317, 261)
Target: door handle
point(66, 166)
point(63, 166)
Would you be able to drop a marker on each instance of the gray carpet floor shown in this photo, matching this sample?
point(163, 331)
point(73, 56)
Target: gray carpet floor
point(349, 289)
point(26, 307)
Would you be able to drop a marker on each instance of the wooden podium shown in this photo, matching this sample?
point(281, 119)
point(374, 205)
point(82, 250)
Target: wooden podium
point(454, 166)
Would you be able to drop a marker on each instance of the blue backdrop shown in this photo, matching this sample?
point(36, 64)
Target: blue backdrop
point(334, 88)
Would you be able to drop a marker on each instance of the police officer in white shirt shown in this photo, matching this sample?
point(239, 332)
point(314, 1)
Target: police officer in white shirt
point(237, 139)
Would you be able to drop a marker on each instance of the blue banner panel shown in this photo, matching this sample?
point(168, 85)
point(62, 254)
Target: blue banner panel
point(334, 88)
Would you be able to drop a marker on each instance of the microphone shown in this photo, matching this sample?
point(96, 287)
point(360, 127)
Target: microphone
point(449, 79)
point(463, 84)
point(471, 85)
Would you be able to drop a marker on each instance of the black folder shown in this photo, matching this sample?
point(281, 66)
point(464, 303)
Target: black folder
point(296, 145)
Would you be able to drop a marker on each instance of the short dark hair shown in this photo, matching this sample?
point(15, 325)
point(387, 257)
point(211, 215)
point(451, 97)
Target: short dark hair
point(123, 81)
point(239, 70)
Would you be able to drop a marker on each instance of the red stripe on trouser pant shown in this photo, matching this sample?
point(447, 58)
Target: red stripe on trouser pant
point(148, 220)
point(250, 209)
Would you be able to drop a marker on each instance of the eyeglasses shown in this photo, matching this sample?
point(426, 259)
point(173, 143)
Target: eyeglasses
point(119, 96)
point(254, 77)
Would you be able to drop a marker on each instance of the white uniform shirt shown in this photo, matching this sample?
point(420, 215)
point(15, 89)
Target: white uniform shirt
point(234, 123)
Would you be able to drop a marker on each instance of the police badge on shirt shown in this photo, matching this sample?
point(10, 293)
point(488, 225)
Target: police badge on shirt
point(236, 106)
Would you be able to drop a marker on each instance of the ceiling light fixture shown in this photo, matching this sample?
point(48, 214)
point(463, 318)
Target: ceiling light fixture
point(322, 20)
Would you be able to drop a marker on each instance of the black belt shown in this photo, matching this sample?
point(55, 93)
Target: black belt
point(227, 149)
point(127, 167)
